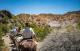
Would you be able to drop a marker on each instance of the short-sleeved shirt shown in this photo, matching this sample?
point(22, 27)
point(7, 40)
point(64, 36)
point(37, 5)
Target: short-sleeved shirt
point(28, 32)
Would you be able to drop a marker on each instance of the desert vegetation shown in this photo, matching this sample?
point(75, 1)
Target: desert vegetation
point(4, 28)
point(66, 41)
point(8, 21)
point(57, 39)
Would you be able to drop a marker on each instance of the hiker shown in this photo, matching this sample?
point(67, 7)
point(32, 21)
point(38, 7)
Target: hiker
point(28, 42)
point(18, 30)
point(13, 33)
point(28, 32)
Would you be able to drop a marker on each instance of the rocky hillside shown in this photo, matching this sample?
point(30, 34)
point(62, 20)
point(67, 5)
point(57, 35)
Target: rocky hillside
point(5, 16)
point(41, 23)
point(43, 19)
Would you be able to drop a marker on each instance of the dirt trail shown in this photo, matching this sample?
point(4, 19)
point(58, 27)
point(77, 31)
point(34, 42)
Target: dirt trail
point(7, 42)
point(38, 45)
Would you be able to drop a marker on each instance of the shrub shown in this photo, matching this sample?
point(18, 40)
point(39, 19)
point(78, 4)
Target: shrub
point(67, 41)
point(78, 26)
point(70, 28)
point(5, 15)
point(41, 31)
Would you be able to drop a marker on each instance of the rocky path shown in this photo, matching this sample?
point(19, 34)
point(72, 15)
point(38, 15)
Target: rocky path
point(7, 42)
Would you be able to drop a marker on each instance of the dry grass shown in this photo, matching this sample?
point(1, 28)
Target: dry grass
point(66, 41)
point(5, 49)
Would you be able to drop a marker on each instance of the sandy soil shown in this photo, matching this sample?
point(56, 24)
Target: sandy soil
point(7, 42)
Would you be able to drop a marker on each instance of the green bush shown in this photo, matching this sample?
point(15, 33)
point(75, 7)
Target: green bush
point(78, 26)
point(4, 28)
point(41, 31)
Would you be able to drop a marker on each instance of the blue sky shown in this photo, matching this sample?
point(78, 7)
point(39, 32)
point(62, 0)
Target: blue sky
point(40, 6)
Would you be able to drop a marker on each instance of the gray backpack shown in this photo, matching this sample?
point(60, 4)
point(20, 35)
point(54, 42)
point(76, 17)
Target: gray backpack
point(27, 33)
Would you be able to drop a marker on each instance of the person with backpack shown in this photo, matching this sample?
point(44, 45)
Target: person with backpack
point(12, 34)
point(28, 32)
point(28, 43)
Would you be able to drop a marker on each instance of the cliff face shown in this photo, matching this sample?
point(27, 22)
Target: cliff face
point(43, 19)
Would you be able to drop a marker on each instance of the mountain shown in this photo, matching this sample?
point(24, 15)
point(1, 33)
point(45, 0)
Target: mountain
point(5, 15)
point(41, 23)
point(73, 12)
point(42, 19)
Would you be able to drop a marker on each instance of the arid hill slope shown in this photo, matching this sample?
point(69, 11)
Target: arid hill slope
point(42, 19)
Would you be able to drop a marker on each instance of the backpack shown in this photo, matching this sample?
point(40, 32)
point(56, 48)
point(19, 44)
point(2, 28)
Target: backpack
point(27, 33)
